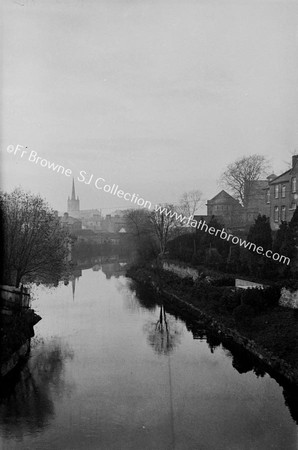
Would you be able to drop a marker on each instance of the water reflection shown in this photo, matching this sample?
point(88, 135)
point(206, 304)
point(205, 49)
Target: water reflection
point(27, 398)
point(164, 334)
point(144, 376)
point(291, 400)
point(115, 269)
point(111, 266)
point(145, 296)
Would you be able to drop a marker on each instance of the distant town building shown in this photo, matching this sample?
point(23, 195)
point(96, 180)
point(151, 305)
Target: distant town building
point(282, 195)
point(114, 224)
point(90, 218)
point(88, 213)
point(100, 237)
point(73, 224)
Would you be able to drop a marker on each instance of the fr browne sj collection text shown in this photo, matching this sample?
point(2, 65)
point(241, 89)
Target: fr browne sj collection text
point(84, 177)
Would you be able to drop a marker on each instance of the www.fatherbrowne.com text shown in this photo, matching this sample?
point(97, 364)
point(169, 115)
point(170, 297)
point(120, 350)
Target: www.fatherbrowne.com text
point(222, 233)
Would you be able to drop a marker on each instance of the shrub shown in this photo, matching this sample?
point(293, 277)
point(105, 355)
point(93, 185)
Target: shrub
point(230, 300)
point(271, 296)
point(224, 281)
point(261, 299)
point(291, 284)
point(188, 281)
point(244, 314)
point(254, 299)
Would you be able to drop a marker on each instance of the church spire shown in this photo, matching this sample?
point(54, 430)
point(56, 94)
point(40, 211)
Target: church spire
point(73, 192)
point(73, 203)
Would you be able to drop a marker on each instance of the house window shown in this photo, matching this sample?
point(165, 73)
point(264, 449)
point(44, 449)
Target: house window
point(283, 213)
point(276, 214)
point(294, 184)
point(283, 191)
point(293, 205)
point(268, 196)
point(276, 191)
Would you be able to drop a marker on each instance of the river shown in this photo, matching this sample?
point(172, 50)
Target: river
point(110, 370)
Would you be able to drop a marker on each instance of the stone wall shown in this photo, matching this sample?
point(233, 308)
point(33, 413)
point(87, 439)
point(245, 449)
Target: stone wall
point(289, 299)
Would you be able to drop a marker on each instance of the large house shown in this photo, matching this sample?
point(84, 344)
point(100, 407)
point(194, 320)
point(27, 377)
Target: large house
point(232, 214)
point(276, 197)
point(282, 195)
point(255, 203)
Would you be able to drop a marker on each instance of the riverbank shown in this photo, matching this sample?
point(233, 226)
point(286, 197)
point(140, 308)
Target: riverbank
point(17, 320)
point(270, 334)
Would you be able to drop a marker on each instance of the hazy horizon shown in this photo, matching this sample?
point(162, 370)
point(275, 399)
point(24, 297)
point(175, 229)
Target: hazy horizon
point(157, 97)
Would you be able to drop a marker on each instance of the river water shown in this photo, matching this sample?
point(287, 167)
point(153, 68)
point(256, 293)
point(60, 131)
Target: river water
point(111, 370)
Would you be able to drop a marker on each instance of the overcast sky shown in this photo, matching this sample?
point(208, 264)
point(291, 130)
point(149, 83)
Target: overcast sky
point(156, 96)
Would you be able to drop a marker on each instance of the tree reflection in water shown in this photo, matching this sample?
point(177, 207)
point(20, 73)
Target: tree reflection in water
point(164, 334)
point(26, 398)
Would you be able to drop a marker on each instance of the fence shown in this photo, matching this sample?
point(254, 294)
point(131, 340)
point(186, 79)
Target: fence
point(13, 299)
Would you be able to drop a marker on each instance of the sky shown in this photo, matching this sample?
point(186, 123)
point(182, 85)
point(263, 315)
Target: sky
point(156, 96)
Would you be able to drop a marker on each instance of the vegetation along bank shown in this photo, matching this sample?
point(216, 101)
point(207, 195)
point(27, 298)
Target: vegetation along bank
point(250, 317)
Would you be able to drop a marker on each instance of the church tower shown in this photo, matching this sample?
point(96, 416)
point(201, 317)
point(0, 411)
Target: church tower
point(73, 203)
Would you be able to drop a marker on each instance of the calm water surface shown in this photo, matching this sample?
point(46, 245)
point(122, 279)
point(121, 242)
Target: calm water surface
point(108, 371)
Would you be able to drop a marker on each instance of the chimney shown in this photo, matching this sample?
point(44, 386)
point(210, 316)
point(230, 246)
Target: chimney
point(294, 160)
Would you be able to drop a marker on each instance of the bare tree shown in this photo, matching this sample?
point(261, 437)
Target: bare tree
point(163, 224)
point(36, 246)
point(140, 227)
point(241, 174)
point(137, 221)
point(152, 230)
point(190, 202)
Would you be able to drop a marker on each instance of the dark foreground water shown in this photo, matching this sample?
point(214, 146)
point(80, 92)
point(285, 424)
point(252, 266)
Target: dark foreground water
point(110, 371)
